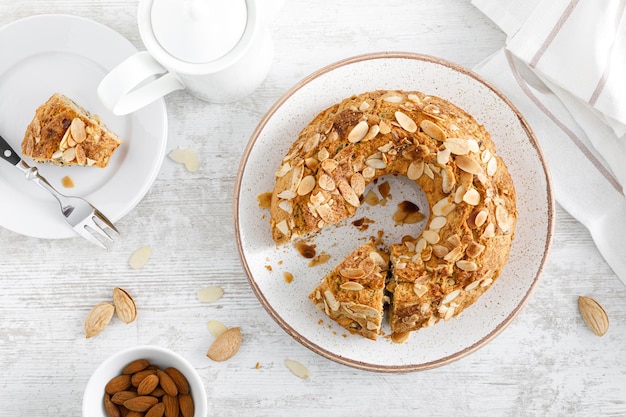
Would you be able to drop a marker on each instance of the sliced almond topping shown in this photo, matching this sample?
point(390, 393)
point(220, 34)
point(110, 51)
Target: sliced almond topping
point(472, 285)
point(306, 185)
point(415, 170)
point(329, 165)
point(420, 289)
point(468, 266)
point(437, 223)
point(457, 146)
point(78, 130)
point(81, 158)
point(378, 260)
point(440, 251)
point(286, 194)
point(406, 122)
point(481, 217)
point(326, 213)
point(384, 127)
point(285, 205)
point(451, 296)
point(433, 130)
point(283, 170)
point(486, 282)
point(352, 273)
point(485, 156)
point(492, 167)
point(351, 286)
point(394, 99)
point(331, 300)
point(283, 228)
point(502, 217)
point(376, 163)
point(357, 182)
point(472, 197)
point(490, 231)
point(323, 155)
point(358, 132)
point(69, 155)
point(430, 236)
point(447, 180)
point(443, 207)
point(348, 194)
point(371, 133)
point(454, 255)
point(326, 182)
point(468, 164)
point(443, 157)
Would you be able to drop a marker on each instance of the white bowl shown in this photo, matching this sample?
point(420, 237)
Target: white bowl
point(93, 398)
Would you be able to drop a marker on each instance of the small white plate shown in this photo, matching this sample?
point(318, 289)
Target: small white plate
point(265, 264)
point(48, 54)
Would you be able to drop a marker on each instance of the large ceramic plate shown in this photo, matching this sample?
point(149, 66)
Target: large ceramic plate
point(265, 263)
point(45, 54)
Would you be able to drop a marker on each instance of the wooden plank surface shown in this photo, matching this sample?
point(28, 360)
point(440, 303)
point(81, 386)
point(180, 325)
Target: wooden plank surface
point(545, 363)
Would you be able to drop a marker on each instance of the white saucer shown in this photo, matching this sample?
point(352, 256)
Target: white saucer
point(48, 54)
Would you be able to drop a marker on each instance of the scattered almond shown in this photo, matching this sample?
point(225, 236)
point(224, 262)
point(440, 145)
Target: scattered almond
point(98, 318)
point(594, 315)
point(210, 294)
point(140, 257)
point(297, 369)
point(179, 379)
point(187, 157)
point(186, 405)
point(216, 328)
point(226, 345)
point(125, 307)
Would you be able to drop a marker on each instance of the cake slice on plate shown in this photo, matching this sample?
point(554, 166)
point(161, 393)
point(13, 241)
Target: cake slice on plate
point(353, 293)
point(63, 133)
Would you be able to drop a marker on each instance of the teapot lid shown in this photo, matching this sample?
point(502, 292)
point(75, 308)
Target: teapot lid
point(198, 31)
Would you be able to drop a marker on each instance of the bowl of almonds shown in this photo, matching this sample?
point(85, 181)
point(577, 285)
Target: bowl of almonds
point(149, 381)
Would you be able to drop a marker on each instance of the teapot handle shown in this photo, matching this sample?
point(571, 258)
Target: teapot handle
point(129, 87)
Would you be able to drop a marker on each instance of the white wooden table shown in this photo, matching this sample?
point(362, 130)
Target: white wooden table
point(546, 363)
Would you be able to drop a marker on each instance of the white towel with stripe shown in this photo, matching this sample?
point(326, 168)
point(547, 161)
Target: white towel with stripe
point(564, 67)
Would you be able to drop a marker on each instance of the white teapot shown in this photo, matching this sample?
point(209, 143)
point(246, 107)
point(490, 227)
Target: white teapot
point(219, 50)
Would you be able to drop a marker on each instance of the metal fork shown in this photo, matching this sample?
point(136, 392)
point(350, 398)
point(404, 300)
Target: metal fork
point(84, 218)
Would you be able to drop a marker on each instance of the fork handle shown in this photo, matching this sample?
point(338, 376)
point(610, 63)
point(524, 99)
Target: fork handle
point(7, 153)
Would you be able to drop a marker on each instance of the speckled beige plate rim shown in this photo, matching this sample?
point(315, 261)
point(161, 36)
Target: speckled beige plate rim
point(285, 322)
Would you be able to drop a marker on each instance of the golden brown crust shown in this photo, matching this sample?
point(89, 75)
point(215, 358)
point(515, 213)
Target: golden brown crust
point(64, 133)
point(447, 153)
point(352, 294)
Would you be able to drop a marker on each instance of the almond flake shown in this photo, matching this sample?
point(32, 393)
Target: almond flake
point(351, 286)
point(415, 170)
point(406, 122)
point(216, 328)
point(433, 130)
point(188, 157)
point(468, 164)
point(297, 369)
point(457, 146)
point(210, 294)
point(140, 257)
point(358, 132)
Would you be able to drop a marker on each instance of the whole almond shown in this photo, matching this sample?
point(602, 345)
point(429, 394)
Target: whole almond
point(125, 307)
point(148, 385)
point(139, 376)
point(186, 405)
point(179, 379)
point(141, 403)
point(167, 383)
point(136, 366)
point(111, 409)
point(226, 345)
point(594, 315)
point(120, 397)
point(98, 318)
point(171, 405)
point(157, 410)
point(117, 384)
